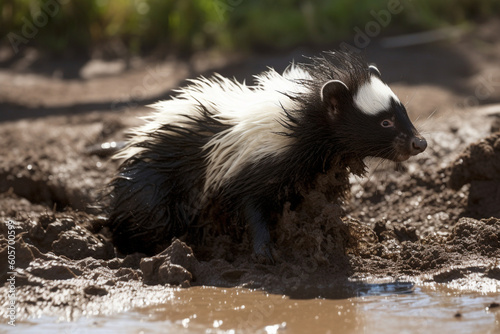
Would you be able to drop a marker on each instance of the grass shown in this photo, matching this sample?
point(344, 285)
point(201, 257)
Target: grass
point(137, 26)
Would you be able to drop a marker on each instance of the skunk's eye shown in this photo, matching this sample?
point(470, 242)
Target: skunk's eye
point(387, 123)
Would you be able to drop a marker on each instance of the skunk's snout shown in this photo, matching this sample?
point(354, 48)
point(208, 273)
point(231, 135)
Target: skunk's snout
point(417, 145)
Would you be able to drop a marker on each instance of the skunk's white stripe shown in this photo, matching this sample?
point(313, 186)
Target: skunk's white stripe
point(253, 112)
point(167, 112)
point(374, 96)
point(255, 116)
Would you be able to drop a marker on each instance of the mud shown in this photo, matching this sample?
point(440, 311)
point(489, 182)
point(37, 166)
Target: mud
point(433, 219)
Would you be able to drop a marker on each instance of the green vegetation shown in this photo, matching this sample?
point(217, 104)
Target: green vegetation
point(78, 26)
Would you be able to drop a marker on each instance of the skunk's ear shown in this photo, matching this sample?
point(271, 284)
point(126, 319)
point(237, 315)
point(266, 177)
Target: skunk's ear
point(374, 71)
point(334, 94)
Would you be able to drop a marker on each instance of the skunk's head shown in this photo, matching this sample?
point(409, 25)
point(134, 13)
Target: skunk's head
point(368, 117)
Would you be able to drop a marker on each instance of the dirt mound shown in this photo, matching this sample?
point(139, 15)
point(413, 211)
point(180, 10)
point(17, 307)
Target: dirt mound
point(479, 165)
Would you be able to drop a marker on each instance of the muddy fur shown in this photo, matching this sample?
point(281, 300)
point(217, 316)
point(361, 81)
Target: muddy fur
point(226, 154)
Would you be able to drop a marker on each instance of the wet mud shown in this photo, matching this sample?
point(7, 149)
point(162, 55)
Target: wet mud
point(435, 218)
point(405, 225)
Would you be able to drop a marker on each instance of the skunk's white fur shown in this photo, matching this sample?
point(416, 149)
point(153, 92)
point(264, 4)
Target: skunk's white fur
point(374, 96)
point(254, 113)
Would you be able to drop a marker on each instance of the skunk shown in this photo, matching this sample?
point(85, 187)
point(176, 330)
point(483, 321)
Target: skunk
point(241, 151)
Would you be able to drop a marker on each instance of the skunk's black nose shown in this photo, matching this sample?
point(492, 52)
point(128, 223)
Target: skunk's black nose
point(418, 145)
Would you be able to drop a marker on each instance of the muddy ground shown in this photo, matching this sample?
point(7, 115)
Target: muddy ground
point(435, 217)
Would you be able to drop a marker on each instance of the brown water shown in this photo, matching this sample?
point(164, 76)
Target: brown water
point(378, 308)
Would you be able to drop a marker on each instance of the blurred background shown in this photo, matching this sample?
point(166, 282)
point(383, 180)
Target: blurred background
point(120, 28)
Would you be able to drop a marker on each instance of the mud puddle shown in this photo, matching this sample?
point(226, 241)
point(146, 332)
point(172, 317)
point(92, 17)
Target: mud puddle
point(379, 308)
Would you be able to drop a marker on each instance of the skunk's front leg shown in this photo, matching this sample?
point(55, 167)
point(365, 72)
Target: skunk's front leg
point(258, 225)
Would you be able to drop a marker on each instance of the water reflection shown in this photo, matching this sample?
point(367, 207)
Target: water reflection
point(350, 289)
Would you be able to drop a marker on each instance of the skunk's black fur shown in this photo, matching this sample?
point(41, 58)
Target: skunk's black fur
point(160, 190)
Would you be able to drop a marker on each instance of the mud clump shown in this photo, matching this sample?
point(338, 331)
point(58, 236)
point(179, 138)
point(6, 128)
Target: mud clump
point(313, 231)
point(479, 165)
point(62, 236)
point(94, 290)
point(477, 236)
point(479, 161)
point(53, 269)
point(417, 257)
point(175, 265)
